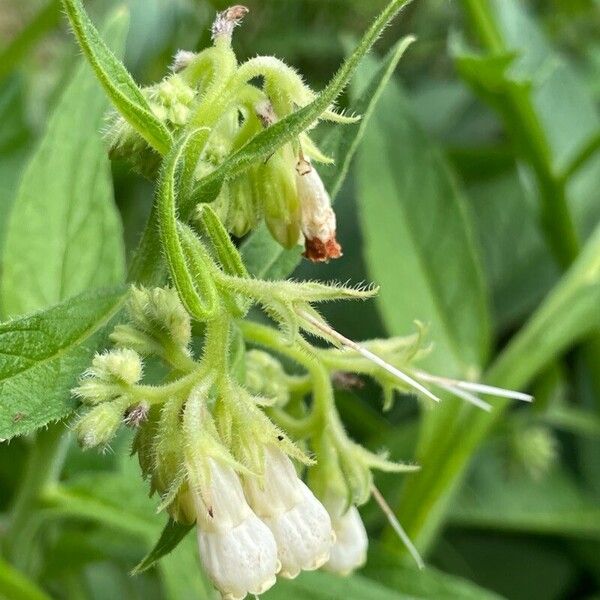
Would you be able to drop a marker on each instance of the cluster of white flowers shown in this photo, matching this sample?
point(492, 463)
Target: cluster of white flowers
point(252, 529)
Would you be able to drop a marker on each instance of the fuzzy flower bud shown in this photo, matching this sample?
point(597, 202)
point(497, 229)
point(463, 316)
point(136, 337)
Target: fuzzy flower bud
point(237, 549)
point(122, 365)
point(99, 425)
point(318, 218)
point(299, 522)
point(351, 542)
point(109, 372)
point(277, 189)
point(265, 377)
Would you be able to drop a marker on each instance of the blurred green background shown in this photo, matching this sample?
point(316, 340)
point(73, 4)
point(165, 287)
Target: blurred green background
point(474, 190)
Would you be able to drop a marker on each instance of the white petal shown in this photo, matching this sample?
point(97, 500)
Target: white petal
point(303, 534)
point(318, 218)
point(279, 490)
point(299, 522)
point(222, 504)
point(351, 542)
point(241, 560)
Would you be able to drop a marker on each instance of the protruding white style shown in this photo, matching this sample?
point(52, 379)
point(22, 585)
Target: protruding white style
point(182, 60)
point(237, 549)
point(462, 389)
point(299, 522)
point(318, 218)
point(351, 541)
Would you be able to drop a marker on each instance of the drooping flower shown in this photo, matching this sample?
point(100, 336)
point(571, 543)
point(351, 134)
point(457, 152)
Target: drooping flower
point(351, 542)
point(237, 549)
point(299, 522)
point(318, 219)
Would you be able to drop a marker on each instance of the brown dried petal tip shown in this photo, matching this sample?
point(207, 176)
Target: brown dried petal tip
point(236, 13)
point(317, 251)
point(227, 20)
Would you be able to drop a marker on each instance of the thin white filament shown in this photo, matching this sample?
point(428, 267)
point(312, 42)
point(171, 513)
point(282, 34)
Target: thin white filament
point(464, 395)
point(393, 521)
point(369, 355)
point(476, 387)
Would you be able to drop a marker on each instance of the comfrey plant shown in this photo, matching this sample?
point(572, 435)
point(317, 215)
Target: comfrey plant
point(242, 438)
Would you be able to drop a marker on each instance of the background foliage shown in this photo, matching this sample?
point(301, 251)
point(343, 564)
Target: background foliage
point(473, 201)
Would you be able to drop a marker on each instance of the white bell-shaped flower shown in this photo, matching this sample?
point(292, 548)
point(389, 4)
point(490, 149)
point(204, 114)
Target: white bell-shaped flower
point(237, 549)
point(318, 218)
point(299, 522)
point(351, 541)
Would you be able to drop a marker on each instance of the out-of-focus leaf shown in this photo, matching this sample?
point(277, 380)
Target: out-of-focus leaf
point(116, 80)
point(14, 140)
point(554, 505)
point(566, 110)
point(64, 234)
point(42, 355)
point(318, 585)
point(15, 586)
point(531, 83)
point(517, 265)
point(567, 315)
point(418, 240)
point(426, 584)
point(45, 18)
point(170, 537)
point(181, 574)
point(263, 256)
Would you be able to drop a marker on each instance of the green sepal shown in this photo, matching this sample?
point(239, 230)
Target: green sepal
point(116, 80)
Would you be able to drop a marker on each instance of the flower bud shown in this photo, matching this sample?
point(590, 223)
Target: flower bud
point(240, 211)
point(122, 365)
point(99, 425)
point(237, 549)
point(318, 218)
point(276, 189)
point(156, 312)
point(265, 377)
point(349, 552)
point(298, 521)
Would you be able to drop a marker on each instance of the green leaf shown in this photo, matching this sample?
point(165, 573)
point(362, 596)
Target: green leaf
point(14, 142)
point(568, 314)
point(170, 537)
point(43, 354)
point(16, 586)
point(318, 585)
point(427, 584)
point(263, 256)
point(411, 208)
point(116, 80)
point(553, 505)
point(268, 141)
point(519, 275)
point(64, 235)
point(44, 19)
point(565, 108)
